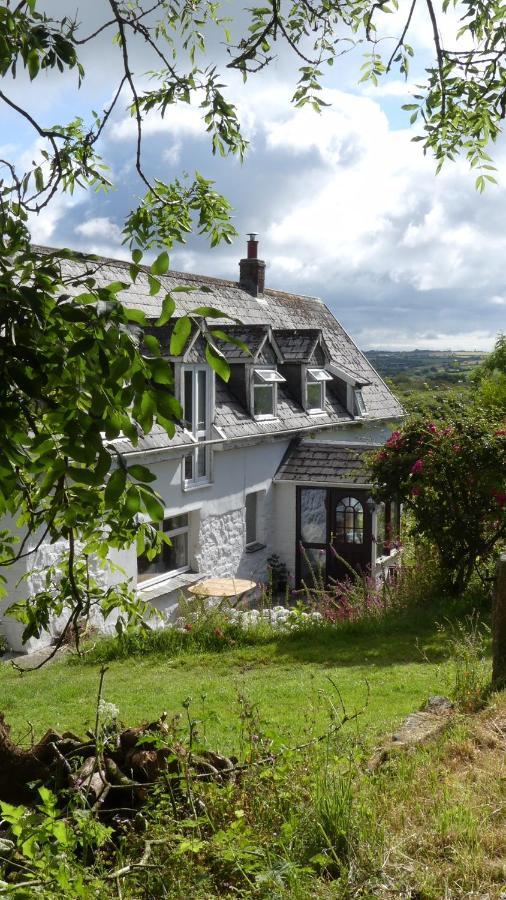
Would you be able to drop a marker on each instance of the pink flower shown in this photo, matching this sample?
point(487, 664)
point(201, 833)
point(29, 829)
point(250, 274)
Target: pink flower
point(432, 428)
point(417, 467)
point(395, 440)
point(499, 497)
point(416, 491)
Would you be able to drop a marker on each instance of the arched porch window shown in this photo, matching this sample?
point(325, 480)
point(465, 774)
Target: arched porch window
point(349, 521)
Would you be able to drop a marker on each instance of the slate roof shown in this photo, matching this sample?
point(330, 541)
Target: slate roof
point(285, 312)
point(325, 463)
point(296, 345)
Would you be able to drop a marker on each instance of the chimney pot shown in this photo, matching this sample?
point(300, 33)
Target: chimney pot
point(252, 269)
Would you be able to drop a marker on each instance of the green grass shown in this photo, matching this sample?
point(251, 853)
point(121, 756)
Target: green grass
point(395, 665)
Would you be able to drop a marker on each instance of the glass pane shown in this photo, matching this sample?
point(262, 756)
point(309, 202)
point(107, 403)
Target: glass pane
point(188, 398)
point(312, 566)
point(201, 400)
point(359, 400)
point(380, 529)
point(267, 375)
point(313, 515)
point(340, 523)
point(201, 462)
point(349, 521)
point(263, 399)
point(188, 467)
point(175, 556)
point(319, 375)
point(251, 518)
point(314, 396)
point(175, 522)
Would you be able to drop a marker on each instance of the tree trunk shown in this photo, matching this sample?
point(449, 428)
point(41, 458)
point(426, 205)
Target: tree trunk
point(499, 627)
point(19, 767)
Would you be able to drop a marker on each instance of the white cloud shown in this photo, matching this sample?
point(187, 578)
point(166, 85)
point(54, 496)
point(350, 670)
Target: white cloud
point(100, 227)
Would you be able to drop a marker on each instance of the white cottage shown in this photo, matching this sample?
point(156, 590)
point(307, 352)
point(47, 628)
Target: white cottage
point(269, 463)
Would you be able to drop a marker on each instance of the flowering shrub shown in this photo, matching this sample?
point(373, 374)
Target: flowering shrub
point(453, 479)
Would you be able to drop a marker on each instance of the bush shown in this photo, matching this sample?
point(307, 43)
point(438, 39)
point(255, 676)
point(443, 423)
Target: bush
point(452, 479)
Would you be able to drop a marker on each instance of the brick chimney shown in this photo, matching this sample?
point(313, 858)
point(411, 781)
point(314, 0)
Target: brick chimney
point(252, 269)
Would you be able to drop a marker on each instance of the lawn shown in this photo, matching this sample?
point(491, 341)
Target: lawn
point(291, 679)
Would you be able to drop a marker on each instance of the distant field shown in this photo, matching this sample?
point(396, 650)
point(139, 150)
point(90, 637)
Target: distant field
point(428, 382)
point(429, 363)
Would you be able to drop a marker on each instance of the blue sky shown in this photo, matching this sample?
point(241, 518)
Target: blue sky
point(346, 206)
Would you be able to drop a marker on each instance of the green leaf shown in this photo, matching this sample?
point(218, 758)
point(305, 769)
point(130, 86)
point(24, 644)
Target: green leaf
point(33, 63)
point(180, 335)
point(152, 504)
point(154, 285)
point(115, 487)
point(136, 315)
point(217, 362)
point(209, 312)
point(137, 256)
point(168, 307)
point(161, 371)
point(141, 473)
point(82, 476)
point(161, 264)
point(133, 500)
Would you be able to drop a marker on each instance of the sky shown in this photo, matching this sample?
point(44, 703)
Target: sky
point(346, 206)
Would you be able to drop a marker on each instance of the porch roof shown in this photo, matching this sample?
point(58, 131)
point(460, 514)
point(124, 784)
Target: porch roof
point(317, 462)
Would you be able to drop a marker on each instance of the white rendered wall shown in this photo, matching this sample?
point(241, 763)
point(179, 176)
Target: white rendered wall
point(217, 524)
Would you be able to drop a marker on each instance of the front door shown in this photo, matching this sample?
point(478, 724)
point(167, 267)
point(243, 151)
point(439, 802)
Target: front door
point(350, 533)
point(334, 534)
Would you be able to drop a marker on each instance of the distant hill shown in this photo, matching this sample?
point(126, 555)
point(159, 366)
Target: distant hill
point(436, 365)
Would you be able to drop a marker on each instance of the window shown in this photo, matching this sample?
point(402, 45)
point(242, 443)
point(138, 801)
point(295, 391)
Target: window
point(251, 518)
point(265, 391)
point(315, 389)
point(312, 535)
point(196, 390)
point(254, 521)
point(360, 407)
point(387, 527)
point(172, 558)
point(349, 521)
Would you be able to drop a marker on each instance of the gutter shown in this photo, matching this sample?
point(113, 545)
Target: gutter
point(181, 449)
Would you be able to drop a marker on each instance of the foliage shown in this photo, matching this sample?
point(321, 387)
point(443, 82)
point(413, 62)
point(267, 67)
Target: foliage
point(489, 379)
point(468, 648)
point(453, 481)
point(315, 822)
point(74, 380)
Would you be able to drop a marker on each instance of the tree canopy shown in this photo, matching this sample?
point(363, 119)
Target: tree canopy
point(73, 375)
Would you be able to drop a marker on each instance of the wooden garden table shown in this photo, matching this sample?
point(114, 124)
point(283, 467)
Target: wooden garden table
point(226, 588)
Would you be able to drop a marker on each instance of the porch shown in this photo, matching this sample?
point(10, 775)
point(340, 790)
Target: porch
point(339, 529)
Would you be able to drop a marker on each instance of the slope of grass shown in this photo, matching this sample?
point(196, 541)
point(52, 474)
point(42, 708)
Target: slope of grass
point(390, 668)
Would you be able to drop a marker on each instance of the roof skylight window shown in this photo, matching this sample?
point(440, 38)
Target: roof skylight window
point(269, 376)
point(319, 375)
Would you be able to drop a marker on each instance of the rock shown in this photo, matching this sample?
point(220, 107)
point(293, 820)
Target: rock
point(418, 728)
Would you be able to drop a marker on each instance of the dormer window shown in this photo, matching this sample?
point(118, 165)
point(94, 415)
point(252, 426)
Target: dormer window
point(265, 392)
point(196, 402)
point(360, 407)
point(315, 389)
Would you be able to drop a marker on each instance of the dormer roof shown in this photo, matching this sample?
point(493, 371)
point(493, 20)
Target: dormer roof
point(299, 344)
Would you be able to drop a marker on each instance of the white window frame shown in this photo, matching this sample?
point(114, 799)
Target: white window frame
point(273, 381)
point(199, 436)
point(259, 540)
point(171, 573)
point(316, 375)
point(360, 407)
